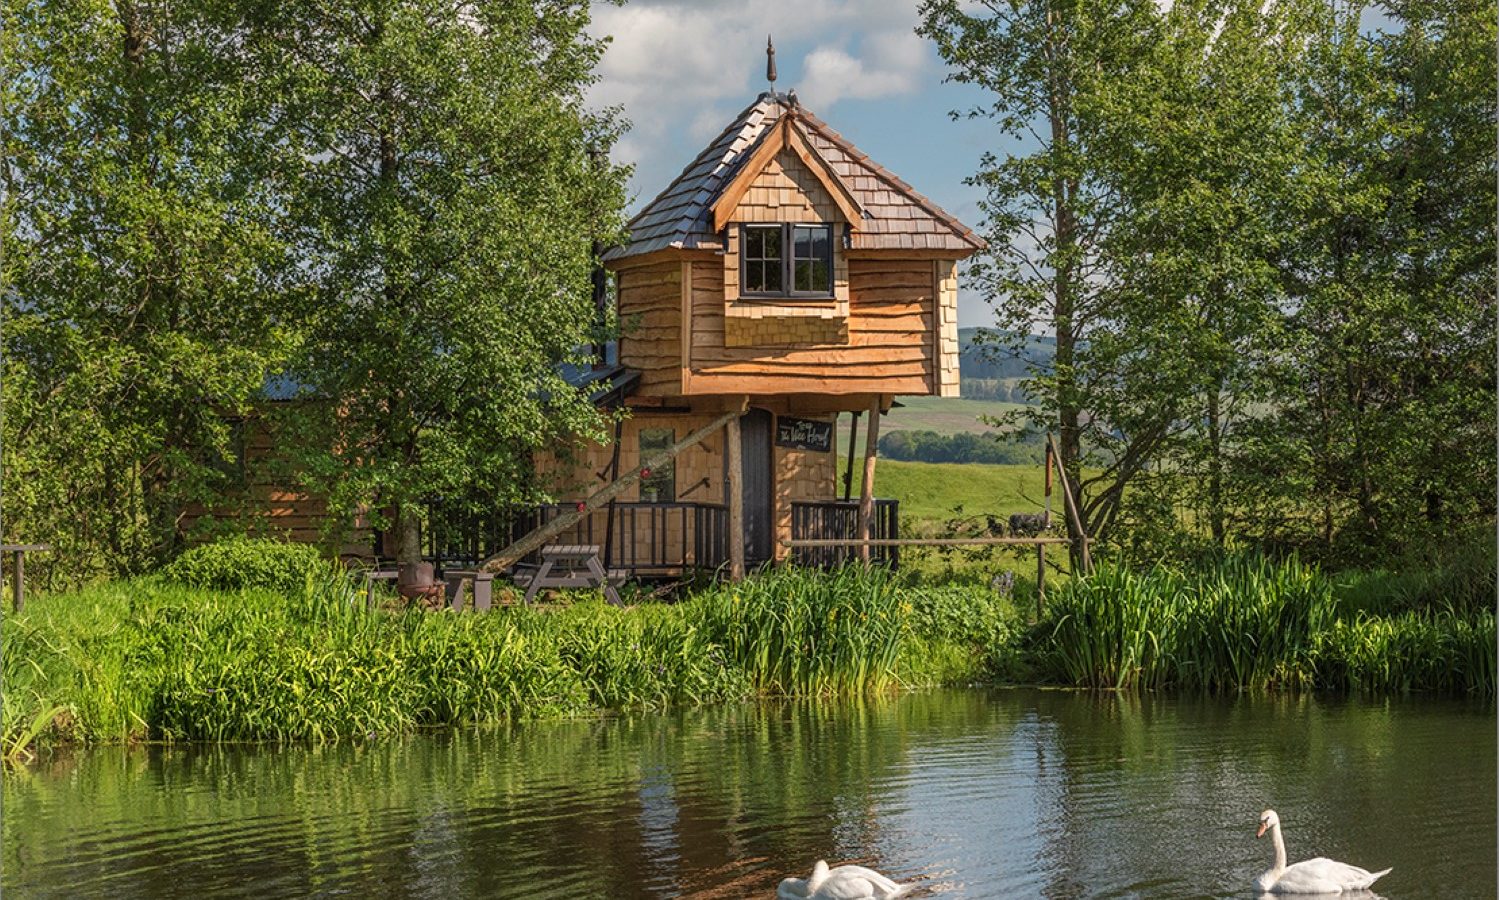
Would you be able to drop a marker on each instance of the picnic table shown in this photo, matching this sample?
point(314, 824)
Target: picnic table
point(18, 569)
point(571, 566)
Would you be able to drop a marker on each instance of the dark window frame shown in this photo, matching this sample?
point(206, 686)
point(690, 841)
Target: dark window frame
point(663, 478)
point(788, 262)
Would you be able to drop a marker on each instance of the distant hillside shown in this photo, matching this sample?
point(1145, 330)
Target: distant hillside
point(990, 372)
point(974, 360)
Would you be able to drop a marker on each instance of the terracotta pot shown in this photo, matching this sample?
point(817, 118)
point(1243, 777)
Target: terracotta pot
point(417, 581)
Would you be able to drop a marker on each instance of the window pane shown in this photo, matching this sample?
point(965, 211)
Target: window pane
point(754, 243)
point(813, 246)
point(773, 276)
point(821, 240)
point(754, 276)
point(661, 485)
point(818, 279)
point(772, 238)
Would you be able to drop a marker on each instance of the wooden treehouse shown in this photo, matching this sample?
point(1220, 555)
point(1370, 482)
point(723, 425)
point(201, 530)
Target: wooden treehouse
point(782, 279)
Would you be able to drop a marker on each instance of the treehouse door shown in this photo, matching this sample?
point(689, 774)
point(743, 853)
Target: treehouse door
point(756, 436)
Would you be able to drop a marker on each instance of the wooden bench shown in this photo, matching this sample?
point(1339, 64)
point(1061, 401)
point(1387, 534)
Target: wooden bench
point(572, 566)
point(481, 583)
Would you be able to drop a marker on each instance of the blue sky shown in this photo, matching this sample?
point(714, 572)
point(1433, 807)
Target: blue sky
point(681, 69)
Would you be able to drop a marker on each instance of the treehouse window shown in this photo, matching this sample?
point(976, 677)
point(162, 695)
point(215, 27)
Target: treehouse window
point(787, 261)
point(660, 486)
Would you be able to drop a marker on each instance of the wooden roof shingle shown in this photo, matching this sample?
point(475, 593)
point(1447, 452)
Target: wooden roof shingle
point(895, 216)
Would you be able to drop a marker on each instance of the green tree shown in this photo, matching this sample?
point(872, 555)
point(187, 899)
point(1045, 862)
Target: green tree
point(446, 205)
point(1202, 160)
point(1043, 63)
point(1135, 222)
point(142, 271)
point(1385, 408)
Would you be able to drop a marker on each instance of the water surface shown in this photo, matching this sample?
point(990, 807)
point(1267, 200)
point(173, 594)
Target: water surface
point(1005, 793)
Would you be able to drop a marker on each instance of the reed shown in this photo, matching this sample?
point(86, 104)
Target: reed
point(1250, 623)
point(799, 632)
point(155, 660)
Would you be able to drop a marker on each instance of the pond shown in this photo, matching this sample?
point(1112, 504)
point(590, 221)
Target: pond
point(967, 793)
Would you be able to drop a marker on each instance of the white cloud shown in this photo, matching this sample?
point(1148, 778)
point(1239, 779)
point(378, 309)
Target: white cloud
point(684, 68)
point(896, 62)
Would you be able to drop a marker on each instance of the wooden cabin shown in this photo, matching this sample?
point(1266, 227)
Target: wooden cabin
point(784, 274)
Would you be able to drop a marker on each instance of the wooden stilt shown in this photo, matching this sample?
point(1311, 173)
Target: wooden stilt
point(1040, 581)
point(853, 441)
point(1050, 461)
point(866, 492)
point(734, 487)
point(619, 430)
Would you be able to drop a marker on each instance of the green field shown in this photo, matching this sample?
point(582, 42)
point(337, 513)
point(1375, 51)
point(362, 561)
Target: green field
point(932, 490)
point(944, 415)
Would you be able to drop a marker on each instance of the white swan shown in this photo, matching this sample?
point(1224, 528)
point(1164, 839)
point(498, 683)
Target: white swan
point(1314, 876)
point(842, 883)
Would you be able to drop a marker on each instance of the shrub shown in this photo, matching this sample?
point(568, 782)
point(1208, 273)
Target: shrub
point(238, 564)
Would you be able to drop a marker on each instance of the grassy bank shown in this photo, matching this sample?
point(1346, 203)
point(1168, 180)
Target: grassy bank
point(155, 660)
point(152, 660)
point(1252, 624)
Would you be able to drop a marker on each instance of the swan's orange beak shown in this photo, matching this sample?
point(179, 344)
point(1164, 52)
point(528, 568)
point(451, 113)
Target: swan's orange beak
point(1264, 826)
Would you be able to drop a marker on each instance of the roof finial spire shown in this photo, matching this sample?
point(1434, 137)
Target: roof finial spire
point(770, 62)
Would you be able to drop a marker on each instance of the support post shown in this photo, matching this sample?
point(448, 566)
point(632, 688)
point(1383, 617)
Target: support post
point(866, 492)
point(619, 431)
point(734, 486)
point(853, 441)
point(17, 579)
point(1050, 461)
point(1040, 581)
point(1077, 531)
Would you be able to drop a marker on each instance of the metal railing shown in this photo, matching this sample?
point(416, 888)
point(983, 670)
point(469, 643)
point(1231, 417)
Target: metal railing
point(823, 520)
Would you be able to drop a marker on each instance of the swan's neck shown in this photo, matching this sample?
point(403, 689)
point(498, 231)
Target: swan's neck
point(1280, 847)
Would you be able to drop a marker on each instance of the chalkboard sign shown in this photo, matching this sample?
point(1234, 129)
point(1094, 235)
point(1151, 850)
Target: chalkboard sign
point(804, 434)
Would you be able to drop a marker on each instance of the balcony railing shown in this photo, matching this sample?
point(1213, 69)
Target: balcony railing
point(836, 520)
point(645, 538)
point(652, 538)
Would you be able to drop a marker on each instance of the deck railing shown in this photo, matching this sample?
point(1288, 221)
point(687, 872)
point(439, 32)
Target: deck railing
point(646, 538)
point(649, 538)
point(829, 520)
point(654, 538)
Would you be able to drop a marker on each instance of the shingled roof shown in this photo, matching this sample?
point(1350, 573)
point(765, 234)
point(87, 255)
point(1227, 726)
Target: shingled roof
point(896, 217)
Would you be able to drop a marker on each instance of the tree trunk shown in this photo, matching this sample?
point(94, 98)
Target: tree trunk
point(1215, 465)
point(1064, 192)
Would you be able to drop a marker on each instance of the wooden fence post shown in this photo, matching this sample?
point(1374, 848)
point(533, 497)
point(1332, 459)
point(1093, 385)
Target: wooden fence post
point(1040, 581)
point(735, 489)
point(866, 493)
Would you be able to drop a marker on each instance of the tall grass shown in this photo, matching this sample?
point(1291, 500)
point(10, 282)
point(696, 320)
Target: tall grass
point(1249, 623)
point(794, 631)
point(152, 660)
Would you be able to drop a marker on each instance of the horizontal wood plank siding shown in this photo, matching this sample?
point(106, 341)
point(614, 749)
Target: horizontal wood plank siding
point(890, 347)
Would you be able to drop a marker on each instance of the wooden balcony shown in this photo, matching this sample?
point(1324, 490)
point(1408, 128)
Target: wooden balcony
point(644, 539)
point(652, 539)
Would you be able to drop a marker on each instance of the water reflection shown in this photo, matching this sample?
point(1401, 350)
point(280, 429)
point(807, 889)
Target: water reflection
point(967, 793)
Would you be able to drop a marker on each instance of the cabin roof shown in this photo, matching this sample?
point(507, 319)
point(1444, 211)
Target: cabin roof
point(896, 217)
